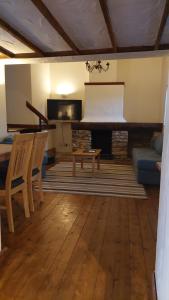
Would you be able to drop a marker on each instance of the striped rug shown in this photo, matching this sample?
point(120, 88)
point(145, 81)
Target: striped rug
point(110, 180)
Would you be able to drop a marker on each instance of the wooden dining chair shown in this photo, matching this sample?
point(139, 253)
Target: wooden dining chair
point(35, 167)
point(13, 177)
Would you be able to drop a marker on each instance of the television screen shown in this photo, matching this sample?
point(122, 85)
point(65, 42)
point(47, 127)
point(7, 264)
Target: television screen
point(64, 109)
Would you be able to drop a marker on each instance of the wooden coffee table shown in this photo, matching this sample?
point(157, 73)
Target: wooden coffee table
point(82, 154)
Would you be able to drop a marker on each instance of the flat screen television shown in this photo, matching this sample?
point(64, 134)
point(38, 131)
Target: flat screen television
point(58, 109)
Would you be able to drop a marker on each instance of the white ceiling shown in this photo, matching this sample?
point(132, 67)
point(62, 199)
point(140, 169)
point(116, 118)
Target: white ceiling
point(83, 21)
point(135, 23)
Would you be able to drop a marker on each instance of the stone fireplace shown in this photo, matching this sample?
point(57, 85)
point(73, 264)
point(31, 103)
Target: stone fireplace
point(114, 144)
point(102, 139)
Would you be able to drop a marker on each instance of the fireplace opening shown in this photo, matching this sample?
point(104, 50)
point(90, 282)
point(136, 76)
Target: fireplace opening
point(102, 139)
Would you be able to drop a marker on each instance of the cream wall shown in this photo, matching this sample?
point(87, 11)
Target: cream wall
point(3, 119)
point(145, 86)
point(73, 75)
point(143, 89)
point(40, 87)
point(31, 83)
point(110, 75)
point(18, 91)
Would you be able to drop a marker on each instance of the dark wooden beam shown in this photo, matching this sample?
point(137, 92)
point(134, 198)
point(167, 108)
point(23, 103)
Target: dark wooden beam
point(19, 37)
point(28, 55)
point(60, 53)
point(128, 126)
point(54, 23)
point(162, 25)
point(131, 49)
point(135, 49)
point(104, 7)
point(105, 83)
point(164, 47)
point(7, 52)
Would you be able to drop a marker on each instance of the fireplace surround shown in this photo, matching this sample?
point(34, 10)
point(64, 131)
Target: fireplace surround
point(125, 136)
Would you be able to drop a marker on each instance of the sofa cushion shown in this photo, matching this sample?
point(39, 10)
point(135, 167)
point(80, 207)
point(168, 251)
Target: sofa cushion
point(144, 164)
point(148, 177)
point(145, 158)
point(158, 144)
point(7, 140)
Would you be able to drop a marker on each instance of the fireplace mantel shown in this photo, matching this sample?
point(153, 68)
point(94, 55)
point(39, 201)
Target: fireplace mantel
point(119, 126)
point(139, 134)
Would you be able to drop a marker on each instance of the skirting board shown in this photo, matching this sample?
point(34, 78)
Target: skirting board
point(154, 288)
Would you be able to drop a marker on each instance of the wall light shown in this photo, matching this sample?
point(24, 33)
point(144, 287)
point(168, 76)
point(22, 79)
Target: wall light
point(64, 89)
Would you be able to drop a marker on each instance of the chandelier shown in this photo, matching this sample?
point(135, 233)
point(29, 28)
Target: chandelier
point(98, 66)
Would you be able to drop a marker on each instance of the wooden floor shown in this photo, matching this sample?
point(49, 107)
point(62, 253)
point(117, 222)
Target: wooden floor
point(81, 247)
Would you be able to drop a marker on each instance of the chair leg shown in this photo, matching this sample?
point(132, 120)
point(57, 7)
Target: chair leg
point(8, 201)
point(25, 202)
point(30, 197)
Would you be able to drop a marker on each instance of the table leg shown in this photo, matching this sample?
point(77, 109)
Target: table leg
point(93, 164)
point(98, 162)
point(74, 165)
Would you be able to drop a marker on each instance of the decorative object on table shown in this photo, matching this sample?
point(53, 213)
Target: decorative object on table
point(110, 180)
point(97, 65)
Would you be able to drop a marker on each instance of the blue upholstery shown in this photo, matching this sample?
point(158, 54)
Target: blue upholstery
point(144, 160)
point(3, 174)
point(7, 140)
point(35, 171)
point(158, 145)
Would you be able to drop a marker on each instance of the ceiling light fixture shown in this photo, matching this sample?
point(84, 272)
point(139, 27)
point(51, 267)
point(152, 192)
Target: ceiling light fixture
point(98, 66)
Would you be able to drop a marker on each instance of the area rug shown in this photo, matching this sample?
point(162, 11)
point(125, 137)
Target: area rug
point(110, 180)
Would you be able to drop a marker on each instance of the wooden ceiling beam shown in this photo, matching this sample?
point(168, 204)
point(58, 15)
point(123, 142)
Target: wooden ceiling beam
point(55, 24)
point(93, 51)
point(162, 25)
point(19, 37)
point(7, 52)
point(46, 54)
point(105, 11)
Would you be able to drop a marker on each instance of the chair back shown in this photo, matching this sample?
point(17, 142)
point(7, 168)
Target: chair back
point(19, 158)
point(38, 150)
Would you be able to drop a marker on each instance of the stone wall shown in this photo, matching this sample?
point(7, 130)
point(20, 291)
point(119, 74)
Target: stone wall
point(81, 139)
point(120, 144)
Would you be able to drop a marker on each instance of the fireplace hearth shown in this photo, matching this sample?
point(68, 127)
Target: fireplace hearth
point(102, 139)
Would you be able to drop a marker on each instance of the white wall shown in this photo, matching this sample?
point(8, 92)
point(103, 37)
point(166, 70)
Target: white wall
point(143, 89)
point(162, 253)
point(3, 119)
point(104, 103)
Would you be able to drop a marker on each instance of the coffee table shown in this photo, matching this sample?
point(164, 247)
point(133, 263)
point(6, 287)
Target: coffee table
point(82, 154)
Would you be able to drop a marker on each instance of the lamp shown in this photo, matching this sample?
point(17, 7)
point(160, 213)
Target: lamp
point(98, 66)
point(65, 89)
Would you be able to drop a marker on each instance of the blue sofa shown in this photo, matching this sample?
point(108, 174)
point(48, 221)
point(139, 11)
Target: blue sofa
point(144, 161)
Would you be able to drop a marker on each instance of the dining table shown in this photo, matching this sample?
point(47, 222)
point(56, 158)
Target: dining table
point(5, 151)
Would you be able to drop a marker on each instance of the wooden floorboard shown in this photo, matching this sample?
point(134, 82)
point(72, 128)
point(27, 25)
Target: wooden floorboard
point(82, 248)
